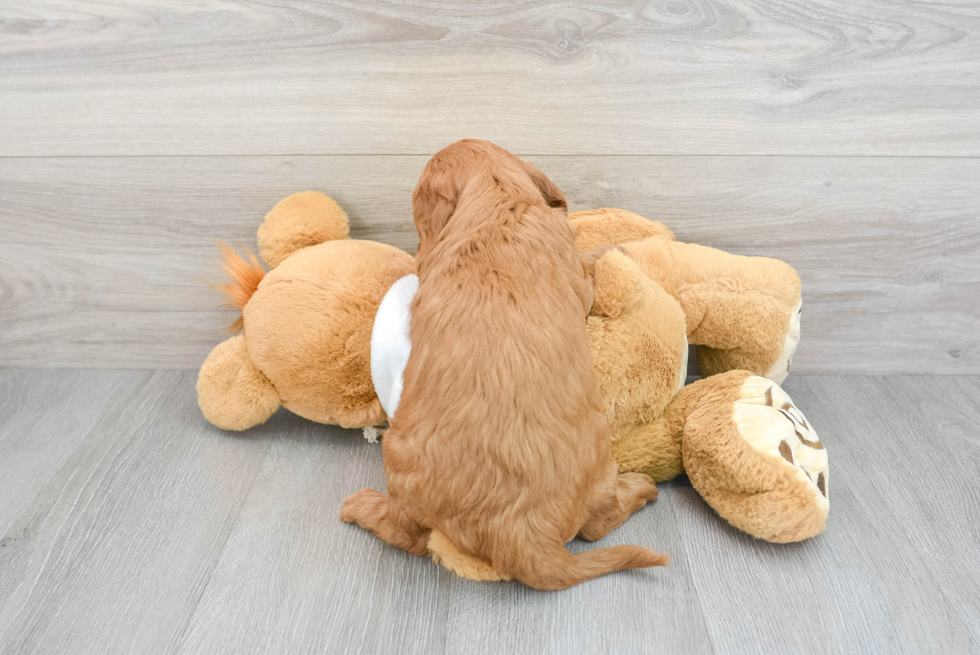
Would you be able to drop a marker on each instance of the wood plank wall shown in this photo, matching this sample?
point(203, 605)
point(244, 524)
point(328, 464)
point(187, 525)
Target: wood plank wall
point(841, 137)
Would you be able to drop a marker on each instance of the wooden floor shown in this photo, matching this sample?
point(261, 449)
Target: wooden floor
point(130, 525)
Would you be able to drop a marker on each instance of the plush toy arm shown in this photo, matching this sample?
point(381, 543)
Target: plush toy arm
point(742, 311)
point(638, 343)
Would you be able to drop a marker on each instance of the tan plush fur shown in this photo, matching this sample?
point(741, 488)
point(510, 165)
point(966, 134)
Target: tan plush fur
point(303, 219)
point(232, 392)
point(602, 227)
point(755, 491)
point(312, 346)
point(308, 213)
point(738, 309)
point(500, 442)
point(307, 324)
point(309, 328)
point(637, 359)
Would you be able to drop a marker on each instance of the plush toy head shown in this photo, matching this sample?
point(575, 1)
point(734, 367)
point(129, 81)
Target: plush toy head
point(307, 324)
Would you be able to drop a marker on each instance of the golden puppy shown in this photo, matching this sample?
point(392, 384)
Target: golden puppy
point(499, 441)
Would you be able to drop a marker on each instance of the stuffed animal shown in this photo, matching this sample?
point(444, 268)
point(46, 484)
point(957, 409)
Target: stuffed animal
point(330, 305)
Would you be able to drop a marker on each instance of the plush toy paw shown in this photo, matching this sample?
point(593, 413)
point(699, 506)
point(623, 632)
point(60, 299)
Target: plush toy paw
point(372, 433)
point(757, 461)
point(769, 422)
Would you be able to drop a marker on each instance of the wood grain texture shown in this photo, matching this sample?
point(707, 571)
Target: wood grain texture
point(305, 582)
point(154, 533)
point(112, 553)
point(828, 77)
point(636, 612)
point(44, 417)
point(103, 260)
point(924, 471)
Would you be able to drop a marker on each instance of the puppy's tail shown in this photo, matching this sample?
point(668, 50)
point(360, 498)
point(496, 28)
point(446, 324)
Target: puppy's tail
point(552, 569)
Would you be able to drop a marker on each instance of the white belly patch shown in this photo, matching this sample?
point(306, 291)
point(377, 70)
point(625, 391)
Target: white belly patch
point(391, 343)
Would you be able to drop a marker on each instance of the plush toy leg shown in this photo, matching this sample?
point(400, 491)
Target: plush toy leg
point(755, 459)
point(650, 448)
point(655, 447)
point(300, 220)
point(231, 391)
point(712, 361)
point(742, 312)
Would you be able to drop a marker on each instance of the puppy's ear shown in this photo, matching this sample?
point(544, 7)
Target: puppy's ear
point(433, 202)
point(551, 193)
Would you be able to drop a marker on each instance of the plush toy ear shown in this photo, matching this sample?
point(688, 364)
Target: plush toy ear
point(303, 219)
point(433, 202)
point(618, 283)
point(549, 190)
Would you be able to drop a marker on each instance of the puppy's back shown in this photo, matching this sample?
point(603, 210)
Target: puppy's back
point(500, 437)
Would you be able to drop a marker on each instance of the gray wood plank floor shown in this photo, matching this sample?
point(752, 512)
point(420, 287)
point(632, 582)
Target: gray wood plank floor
point(128, 524)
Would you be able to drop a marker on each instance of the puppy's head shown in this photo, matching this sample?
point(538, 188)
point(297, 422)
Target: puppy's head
point(468, 167)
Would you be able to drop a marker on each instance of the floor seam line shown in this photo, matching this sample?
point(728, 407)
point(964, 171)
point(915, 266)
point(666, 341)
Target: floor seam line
point(179, 641)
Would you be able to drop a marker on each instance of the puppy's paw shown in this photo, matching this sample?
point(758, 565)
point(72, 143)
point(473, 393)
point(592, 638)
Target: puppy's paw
point(639, 488)
point(362, 504)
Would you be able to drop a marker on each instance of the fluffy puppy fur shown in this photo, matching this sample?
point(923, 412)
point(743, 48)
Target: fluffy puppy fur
point(499, 441)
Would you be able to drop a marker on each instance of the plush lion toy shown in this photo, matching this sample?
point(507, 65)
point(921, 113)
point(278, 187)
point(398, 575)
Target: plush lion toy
point(312, 325)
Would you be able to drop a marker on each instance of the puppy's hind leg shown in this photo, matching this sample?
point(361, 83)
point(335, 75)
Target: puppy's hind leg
point(614, 499)
point(374, 511)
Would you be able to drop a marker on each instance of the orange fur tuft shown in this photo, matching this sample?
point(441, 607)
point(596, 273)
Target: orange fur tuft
point(245, 277)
